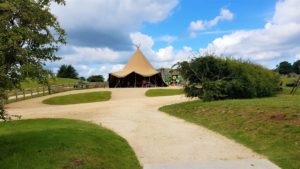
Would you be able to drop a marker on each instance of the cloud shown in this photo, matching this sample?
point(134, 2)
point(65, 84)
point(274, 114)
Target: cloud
point(201, 25)
point(107, 23)
point(167, 38)
point(163, 57)
point(278, 39)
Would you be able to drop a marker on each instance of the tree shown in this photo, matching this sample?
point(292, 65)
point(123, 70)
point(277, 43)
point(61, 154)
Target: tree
point(29, 37)
point(285, 68)
point(95, 78)
point(296, 67)
point(67, 71)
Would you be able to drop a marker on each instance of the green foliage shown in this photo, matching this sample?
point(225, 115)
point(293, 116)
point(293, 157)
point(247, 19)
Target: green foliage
point(62, 144)
point(82, 78)
point(28, 83)
point(163, 92)
point(95, 78)
point(79, 98)
point(284, 68)
point(212, 78)
point(29, 37)
point(296, 67)
point(67, 71)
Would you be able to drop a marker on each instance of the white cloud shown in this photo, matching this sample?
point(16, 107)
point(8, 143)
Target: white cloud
point(279, 38)
point(86, 55)
point(113, 14)
point(107, 23)
point(167, 38)
point(165, 54)
point(200, 25)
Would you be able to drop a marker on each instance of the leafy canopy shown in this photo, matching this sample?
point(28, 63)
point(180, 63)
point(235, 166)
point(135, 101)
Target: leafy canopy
point(67, 71)
point(285, 68)
point(296, 67)
point(29, 37)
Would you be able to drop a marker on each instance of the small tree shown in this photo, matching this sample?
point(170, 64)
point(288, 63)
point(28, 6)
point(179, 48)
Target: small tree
point(67, 71)
point(29, 37)
point(285, 68)
point(296, 67)
point(95, 78)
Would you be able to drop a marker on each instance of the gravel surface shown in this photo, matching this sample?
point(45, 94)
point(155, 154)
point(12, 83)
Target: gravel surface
point(157, 138)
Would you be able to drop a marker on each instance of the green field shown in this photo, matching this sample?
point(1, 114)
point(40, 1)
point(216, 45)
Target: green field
point(163, 92)
point(62, 144)
point(79, 98)
point(33, 84)
point(269, 126)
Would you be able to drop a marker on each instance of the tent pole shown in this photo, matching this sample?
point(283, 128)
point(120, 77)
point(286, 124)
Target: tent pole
point(135, 80)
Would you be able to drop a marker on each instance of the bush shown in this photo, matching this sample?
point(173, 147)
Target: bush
point(95, 78)
point(212, 78)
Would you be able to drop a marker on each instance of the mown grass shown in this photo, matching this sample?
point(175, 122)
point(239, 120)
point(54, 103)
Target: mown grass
point(269, 126)
point(34, 84)
point(79, 98)
point(62, 144)
point(163, 92)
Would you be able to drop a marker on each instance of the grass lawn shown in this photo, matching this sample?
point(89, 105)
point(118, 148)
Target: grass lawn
point(33, 84)
point(269, 126)
point(79, 98)
point(163, 92)
point(62, 144)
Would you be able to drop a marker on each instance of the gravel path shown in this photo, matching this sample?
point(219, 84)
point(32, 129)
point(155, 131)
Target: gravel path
point(159, 140)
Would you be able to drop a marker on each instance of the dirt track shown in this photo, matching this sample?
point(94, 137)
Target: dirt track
point(156, 137)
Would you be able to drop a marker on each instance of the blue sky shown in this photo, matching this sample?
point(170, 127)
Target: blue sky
point(102, 33)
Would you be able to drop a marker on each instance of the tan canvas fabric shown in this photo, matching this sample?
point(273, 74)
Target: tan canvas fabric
point(138, 64)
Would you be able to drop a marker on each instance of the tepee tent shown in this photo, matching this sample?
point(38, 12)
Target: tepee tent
point(137, 73)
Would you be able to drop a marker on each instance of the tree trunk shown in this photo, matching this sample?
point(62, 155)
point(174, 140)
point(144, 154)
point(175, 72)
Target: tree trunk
point(2, 110)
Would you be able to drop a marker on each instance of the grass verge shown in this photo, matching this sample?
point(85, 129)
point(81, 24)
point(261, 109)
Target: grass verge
point(163, 92)
point(79, 98)
point(34, 84)
point(269, 126)
point(64, 144)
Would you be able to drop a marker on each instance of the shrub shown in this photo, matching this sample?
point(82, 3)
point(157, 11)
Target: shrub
point(213, 78)
point(95, 78)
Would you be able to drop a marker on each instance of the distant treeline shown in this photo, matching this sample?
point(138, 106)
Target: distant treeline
point(285, 68)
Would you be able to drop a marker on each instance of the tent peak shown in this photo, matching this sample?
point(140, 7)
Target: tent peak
point(137, 46)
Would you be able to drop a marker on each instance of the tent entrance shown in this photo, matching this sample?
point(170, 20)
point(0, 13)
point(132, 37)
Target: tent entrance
point(136, 80)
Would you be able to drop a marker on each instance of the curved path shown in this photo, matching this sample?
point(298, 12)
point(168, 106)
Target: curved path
point(159, 140)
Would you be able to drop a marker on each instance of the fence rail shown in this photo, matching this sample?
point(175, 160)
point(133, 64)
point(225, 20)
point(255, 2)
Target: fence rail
point(18, 95)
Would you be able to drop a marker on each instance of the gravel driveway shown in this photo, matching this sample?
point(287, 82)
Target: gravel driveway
point(159, 140)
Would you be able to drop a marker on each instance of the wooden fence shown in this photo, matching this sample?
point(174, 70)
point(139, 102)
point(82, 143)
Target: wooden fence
point(17, 95)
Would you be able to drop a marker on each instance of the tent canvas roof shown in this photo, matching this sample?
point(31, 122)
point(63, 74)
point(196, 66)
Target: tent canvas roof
point(137, 64)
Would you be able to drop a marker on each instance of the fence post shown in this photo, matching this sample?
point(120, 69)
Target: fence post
point(43, 90)
point(49, 89)
point(16, 93)
point(23, 94)
point(38, 90)
point(31, 92)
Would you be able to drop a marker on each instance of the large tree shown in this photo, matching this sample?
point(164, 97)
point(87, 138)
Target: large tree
point(67, 71)
point(285, 68)
point(29, 37)
point(296, 67)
